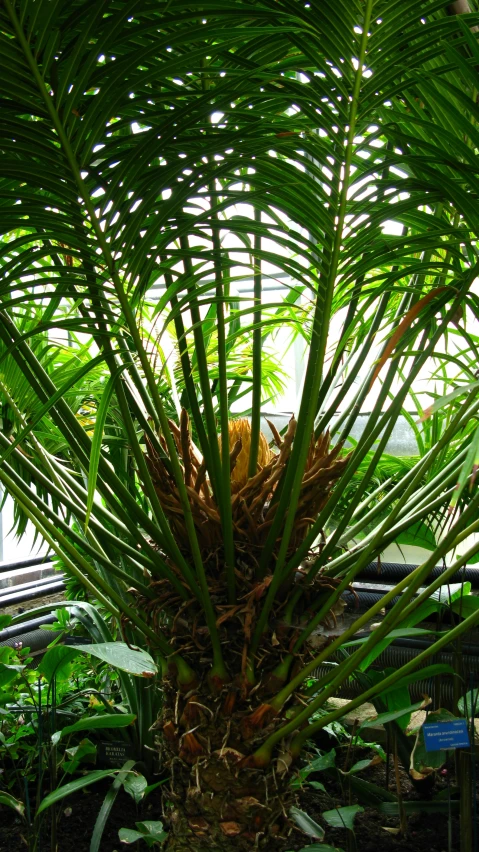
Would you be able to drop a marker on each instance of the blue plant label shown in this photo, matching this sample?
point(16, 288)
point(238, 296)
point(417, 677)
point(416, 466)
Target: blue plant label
point(439, 736)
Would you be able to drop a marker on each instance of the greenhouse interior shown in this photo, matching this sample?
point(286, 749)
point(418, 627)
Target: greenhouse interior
point(239, 425)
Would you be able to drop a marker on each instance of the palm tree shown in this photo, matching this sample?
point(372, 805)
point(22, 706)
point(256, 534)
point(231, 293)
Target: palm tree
point(189, 147)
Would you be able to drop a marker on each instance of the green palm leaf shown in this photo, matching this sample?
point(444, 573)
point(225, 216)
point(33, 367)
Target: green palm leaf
point(180, 189)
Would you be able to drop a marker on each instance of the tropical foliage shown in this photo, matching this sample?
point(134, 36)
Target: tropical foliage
point(44, 711)
point(155, 156)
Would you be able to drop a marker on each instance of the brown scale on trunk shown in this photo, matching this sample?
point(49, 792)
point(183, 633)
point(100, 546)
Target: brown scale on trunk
point(217, 798)
point(216, 802)
point(209, 730)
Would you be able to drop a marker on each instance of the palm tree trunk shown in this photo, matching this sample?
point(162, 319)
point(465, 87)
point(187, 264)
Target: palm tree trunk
point(217, 802)
point(218, 808)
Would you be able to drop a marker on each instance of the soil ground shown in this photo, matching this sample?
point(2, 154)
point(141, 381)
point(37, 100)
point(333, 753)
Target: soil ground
point(77, 815)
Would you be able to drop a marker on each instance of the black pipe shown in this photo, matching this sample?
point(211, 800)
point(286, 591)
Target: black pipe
point(420, 644)
point(363, 598)
point(417, 690)
point(395, 656)
point(30, 594)
point(360, 599)
point(25, 563)
point(397, 571)
point(32, 584)
point(25, 627)
point(37, 640)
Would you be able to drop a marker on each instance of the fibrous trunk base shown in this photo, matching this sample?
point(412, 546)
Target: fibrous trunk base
point(217, 808)
point(216, 802)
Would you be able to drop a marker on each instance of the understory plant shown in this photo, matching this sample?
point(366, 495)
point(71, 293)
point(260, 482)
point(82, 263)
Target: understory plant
point(155, 157)
point(45, 715)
